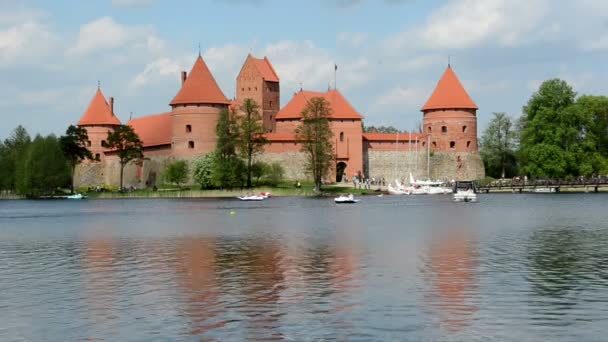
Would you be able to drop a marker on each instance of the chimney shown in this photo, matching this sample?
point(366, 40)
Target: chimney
point(112, 105)
point(184, 76)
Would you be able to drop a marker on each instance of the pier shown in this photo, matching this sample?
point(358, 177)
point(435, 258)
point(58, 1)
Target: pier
point(586, 184)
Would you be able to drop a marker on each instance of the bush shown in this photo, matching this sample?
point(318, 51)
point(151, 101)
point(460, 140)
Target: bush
point(275, 174)
point(177, 172)
point(203, 171)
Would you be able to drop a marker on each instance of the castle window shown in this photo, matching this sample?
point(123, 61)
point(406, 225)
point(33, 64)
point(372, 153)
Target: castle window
point(444, 129)
point(423, 143)
point(452, 144)
point(468, 144)
point(188, 128)
point(249, 88)
point(464, 129)
point(242, 89)
point(101, 143)
point(429, 129)
point(270, 103)
point(97, 156)
point(434, 144)
point(341, 136)
point(256, 88)
point(88, 142)
point(190, 144)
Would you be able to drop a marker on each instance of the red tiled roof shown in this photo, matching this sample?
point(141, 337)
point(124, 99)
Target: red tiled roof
point(266, 69)
point(340, 107)
point(449, 93)
point(98, 113)
point(280, 136)
point(153, 130)
point(392, 136)
point(200, 87)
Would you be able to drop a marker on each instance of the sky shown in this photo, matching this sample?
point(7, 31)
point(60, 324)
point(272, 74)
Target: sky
point(390, 53)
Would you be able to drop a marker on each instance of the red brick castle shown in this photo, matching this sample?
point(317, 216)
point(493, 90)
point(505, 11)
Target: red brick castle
point(188, 130)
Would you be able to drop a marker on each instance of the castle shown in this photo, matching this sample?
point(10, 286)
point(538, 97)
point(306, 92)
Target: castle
point(449, 130)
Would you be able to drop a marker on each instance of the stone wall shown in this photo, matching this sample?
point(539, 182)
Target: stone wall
point(294, 164)
point(443, 165)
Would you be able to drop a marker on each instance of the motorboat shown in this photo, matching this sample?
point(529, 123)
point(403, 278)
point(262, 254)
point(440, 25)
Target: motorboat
point(76, 197)
point(465, 191)
point(346, 199)
point(252, 198)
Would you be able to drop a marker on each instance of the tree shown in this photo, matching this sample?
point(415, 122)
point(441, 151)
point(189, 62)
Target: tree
point(597, 108)
point(381, 129)
point(251, 134)
point(127, 145)
point(177, 172)
point(12, 157)
point(44, 169)
point(315, 134)
point(559, 134)
point(74, 147)
point(498, 147)
point(203, 171)
point(228, 169)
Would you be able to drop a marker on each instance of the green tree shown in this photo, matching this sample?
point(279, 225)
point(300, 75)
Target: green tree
point(275, 174)
point(252, 139)
point(498, 144)
point(127, 145)
point(228, 168)
point(177, 172)
point(551, 133)
point(44, 169)
point(203, 171)
point(12, 157)
point(597, 108)
point(74, 147)
point(315, 134)
point(381, 129)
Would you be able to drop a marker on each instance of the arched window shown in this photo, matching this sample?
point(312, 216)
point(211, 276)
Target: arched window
point(464, 129)
point(101, 143)
point(429, 129)
point(341, 136)
point(97, 156)
point(190, 144)
point(423, 143)
point(468, 144)
point(434, 144)
point(452, 144)
point(188, 128)
point(444, 129)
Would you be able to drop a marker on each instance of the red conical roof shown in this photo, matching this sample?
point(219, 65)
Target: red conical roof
point(449, 94)
point(200, 87)
point(98, 113)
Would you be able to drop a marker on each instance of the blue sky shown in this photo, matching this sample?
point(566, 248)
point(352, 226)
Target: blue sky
point(390, 53)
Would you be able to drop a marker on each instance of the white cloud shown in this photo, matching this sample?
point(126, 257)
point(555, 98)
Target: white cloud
point(398, 98)
point(106, 34)
point(132, 3)
point(156, 71)
point(25, 42)
point(351, 39)
point(467, 23)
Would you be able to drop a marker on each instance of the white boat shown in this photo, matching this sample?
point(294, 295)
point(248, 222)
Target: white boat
point(393, 190)
point(346, 199)
point(429, 187)
point(76, 196)
point(464, 192)
point(252, 198)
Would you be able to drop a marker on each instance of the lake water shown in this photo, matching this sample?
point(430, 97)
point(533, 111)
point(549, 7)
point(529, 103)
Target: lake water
point(510, 268)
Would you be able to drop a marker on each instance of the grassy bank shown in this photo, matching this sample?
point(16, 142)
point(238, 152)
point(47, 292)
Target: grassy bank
point(281, 190)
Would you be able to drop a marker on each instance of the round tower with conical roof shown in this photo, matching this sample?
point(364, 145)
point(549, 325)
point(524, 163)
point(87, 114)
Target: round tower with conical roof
point(195, 111)
point(450, 116)
point(98, 120)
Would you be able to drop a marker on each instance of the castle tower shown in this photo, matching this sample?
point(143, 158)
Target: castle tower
point(258, 80)
point(195, 111)
point(450, 116)
point(98, 120)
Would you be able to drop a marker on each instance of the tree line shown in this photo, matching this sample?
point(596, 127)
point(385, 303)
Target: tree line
point(559, 135)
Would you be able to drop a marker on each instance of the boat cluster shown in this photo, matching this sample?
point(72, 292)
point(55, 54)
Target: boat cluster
point(419, 187)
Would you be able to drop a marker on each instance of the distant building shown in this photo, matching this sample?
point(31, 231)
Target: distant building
point(188, 131)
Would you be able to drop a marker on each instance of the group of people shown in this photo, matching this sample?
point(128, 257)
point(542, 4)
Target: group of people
point(362, 182)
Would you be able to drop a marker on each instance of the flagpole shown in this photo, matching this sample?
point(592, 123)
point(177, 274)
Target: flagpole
point(335, 76)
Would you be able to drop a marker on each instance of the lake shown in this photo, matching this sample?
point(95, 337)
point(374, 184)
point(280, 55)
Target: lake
point(513, 267)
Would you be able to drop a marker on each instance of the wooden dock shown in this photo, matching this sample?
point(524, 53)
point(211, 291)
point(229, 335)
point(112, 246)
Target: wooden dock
point(587, 184)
